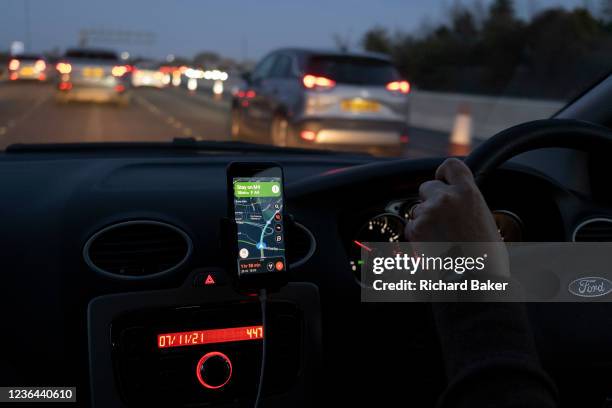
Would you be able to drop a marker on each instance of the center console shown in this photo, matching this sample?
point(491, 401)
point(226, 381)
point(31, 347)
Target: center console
point(202, 346)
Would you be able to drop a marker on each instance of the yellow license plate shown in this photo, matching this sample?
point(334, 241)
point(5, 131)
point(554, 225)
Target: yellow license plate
point(93, 72)
point(360, 105)
point(26, 71)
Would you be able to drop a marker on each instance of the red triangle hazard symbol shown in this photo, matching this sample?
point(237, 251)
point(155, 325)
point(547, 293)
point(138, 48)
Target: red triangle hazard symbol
point(209, 280)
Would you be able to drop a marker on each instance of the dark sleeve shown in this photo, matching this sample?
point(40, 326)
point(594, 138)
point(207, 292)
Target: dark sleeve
point(490, 357)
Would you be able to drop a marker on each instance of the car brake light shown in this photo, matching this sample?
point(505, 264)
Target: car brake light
point(14, 65)
point(308, 135)
point(313, 81)
point(65, 86)
point(40, 65)
point(63, 67)
point(399, 86)
point(250, 94)
point(119, 70)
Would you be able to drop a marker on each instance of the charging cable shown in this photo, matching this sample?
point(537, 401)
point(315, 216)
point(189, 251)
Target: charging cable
point(263, 298)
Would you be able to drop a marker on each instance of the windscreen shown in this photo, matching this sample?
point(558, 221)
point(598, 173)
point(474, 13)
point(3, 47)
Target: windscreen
point(401, 79)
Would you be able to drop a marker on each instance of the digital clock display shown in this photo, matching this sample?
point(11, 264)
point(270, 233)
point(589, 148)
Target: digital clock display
point(212, 336)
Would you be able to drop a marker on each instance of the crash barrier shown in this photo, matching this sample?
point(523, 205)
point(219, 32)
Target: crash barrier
point(464, 116)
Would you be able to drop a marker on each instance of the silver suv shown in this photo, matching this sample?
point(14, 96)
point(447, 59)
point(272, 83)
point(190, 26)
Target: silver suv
point(92, 75)
point(308, 98)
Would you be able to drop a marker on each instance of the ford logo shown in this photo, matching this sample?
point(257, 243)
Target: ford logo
point(590, 287)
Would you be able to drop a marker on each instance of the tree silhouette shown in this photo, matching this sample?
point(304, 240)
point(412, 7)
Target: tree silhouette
point(555, 54)
point(377, 40)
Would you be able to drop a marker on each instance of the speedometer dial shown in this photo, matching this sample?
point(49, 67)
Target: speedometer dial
point(406, 208)
point(381, 228)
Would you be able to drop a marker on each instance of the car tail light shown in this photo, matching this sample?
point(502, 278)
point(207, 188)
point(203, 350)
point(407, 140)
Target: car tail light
point(40, 65)
point(13, 76)
point(119, 88)
point(404, 139)
point(308, 135)
point(63, 67)
point(119, 70)
point(399, 86)
point(14, 64)
point(65, 86)
point(250, 94)
point(313, 82)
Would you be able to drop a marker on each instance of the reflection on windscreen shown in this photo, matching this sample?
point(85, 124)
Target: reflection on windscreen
point(398, 79)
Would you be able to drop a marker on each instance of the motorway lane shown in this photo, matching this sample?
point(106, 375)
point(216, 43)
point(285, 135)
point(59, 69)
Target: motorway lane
point(29, 114)
point(32, 116)
point(194, 113)
point(16, 104)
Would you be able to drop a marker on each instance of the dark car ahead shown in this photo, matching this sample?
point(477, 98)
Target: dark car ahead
point(92, 75)
point(325, 99)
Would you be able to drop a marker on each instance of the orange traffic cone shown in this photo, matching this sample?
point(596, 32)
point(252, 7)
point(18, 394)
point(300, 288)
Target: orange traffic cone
point(461, 136)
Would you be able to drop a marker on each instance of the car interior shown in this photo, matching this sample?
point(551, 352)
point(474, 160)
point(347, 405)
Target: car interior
point(192, 195)
point(104, 248)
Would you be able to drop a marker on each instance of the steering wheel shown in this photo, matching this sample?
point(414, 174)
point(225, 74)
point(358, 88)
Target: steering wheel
point(567, 133)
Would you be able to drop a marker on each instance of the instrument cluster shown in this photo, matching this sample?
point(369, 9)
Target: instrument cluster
point(388, 226)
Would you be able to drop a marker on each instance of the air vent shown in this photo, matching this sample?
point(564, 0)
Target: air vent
point(594, 230)
point(137, 249)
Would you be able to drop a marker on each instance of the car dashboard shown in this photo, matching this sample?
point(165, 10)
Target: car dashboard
point(66, 323)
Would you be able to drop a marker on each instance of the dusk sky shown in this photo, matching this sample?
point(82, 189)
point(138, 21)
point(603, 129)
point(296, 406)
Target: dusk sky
point(230, 27)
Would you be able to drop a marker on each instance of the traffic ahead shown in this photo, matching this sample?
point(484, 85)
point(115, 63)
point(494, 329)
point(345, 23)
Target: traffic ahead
point(31, 114)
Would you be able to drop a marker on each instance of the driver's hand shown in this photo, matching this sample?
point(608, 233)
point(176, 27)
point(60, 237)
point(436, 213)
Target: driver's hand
point(452, 209)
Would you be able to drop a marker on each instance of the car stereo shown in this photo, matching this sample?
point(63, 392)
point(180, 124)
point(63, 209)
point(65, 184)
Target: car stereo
point(196, 355)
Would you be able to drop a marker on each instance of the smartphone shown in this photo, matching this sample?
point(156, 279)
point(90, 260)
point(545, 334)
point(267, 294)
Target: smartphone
point(257, 219)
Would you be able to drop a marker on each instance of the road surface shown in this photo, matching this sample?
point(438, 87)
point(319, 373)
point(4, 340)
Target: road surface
point(30, 114)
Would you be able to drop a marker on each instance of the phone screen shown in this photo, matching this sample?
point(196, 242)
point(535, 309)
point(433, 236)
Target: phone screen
point(258, 213)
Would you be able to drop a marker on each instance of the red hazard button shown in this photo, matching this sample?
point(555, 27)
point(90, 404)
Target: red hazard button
point(207, 278)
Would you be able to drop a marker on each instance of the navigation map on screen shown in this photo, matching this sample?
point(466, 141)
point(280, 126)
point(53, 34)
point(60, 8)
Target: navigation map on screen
point(258, 204)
